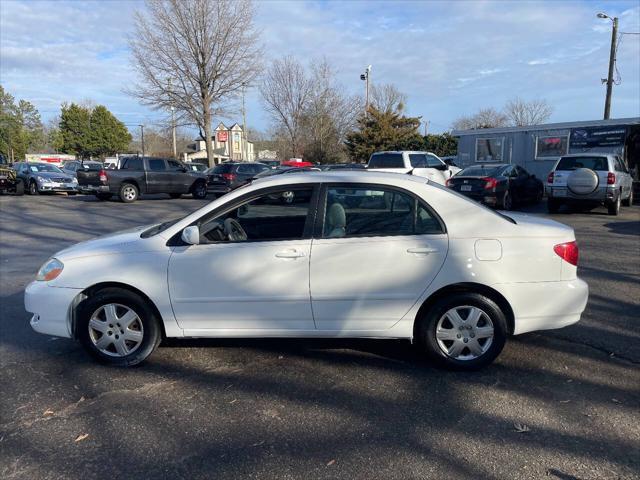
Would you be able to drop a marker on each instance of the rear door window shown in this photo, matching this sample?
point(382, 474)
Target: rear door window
point(175, 166)
point(363, 211)
point(157, 165)
point(418, 160)
point(386, 160)
point(573, 163)
point(133, 164)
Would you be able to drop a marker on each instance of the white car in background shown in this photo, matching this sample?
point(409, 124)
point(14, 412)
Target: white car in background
point(422, 164)
point(414, 261)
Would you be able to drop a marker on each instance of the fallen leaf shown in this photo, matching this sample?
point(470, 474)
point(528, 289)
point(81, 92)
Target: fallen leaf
point(615, 400)
point(331, 462)
point(233, 401)
point(521, 428)
point(47, 412)
point(81, 437)
point(565, 401)
point(257, 444)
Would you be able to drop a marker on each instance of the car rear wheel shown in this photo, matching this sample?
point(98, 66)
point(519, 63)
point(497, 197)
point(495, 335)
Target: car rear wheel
point(507, 201)
point(118, 327)
point(614, 207)
point(199, 190)
point(128, 193)
point(629, 201)
point(33, 188)
point(463, 331)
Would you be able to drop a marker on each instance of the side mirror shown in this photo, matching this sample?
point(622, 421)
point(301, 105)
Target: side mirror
point(191, 235)
point(443, 166)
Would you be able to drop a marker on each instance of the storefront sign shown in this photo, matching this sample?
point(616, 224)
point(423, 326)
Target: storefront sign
point(589, 137)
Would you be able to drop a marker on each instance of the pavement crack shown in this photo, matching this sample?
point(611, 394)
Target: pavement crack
point(608, 353)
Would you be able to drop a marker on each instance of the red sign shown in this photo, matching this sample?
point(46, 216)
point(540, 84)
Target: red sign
point(223, 136)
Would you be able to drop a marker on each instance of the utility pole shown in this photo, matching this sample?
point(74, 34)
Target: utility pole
point(426, 127)
point(612, 62)
point(244, 127)
point(142, 138)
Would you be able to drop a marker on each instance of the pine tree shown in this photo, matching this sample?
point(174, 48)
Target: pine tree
point(108, 135)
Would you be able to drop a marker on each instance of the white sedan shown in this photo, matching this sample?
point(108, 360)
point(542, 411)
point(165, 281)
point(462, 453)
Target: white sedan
point(298, 256)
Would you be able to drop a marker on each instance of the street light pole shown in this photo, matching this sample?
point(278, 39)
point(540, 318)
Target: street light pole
point(365, 77)
point(612, 62)
point(244, 127)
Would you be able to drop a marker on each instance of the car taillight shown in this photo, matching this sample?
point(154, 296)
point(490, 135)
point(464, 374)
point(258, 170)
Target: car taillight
point(103, 176)
point(568, 252)
point(229, 176)
point(550, 178)
point(611, 178)
point(491, 183)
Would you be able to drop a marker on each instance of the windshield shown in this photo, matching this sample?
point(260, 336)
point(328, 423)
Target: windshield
point(480, 171)
point(43, 167)
point(573, 163)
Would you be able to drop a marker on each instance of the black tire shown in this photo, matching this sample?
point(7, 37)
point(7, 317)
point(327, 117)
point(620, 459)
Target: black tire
point(128, 193)
point(151, 330)
point(426, 331)
point(199, 190)
point(613, 208)
point(19, 187)
point(538, 198)
point(629, 201)
point(553, 205)
point(507, 201)
point(175, 195)
point(103, 196)
point(33, 188)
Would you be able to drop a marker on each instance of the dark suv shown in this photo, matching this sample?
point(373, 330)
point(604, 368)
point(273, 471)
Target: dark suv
point(228, 176)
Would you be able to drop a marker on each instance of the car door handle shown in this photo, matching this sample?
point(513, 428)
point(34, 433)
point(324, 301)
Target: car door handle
point(421, 250)
point(290, 254)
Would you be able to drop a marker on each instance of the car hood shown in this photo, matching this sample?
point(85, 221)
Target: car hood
point(125, 241)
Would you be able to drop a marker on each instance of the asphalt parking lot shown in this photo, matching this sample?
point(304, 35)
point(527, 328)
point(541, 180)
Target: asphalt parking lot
point(560, 404)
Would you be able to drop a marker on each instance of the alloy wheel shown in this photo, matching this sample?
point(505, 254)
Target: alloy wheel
point(116, 330)
point(464, 333)
point(129, 193)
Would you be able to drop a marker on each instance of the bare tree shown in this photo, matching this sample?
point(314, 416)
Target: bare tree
point(387, 98)
point(485, 118)
point(522, 113)
point(194, 55)
point(286, 91)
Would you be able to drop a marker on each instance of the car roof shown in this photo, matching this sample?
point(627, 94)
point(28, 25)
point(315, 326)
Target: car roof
point(485, 165)
point(340, 176)
point(589, 154)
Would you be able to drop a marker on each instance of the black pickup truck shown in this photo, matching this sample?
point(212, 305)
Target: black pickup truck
point(138, 175)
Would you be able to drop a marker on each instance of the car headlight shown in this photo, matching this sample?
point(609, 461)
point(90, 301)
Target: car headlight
point(42, 179)
point(74, 180)
point(50, 270)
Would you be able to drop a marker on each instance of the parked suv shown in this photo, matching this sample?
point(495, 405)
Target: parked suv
point(590, 179)
point(230, 175)
point(422, 164)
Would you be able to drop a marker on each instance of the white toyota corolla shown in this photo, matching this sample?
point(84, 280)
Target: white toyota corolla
point(336, 254)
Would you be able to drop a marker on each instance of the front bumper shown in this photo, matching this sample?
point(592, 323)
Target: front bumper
point(545, 305)
point(51, 308)
point(57, 187)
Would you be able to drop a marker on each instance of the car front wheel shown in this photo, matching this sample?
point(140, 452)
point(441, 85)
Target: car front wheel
point(463, 331)
point(118, 327)
point(614, 207)
point(33, 188)
point(199, 190)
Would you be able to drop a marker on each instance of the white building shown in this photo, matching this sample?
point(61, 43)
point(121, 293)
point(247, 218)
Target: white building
point(228, 144)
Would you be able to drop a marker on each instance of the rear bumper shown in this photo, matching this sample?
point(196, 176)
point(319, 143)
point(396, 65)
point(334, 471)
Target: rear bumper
point(599, 195)
point(51, 308)
point(218, 188)
point(94, 189)
point(545, 305)
point(488, 198)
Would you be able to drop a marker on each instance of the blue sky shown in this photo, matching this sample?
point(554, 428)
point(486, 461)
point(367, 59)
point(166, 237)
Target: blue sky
point(450, 58)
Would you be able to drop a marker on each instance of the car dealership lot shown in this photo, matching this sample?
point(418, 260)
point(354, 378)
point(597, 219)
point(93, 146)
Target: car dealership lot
point(561, 404)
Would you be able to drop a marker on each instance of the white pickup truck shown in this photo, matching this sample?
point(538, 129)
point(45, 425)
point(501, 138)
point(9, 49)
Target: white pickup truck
point(422, 164)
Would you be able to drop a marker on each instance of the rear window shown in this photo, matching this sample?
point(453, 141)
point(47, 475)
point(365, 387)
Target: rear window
point(386, 160)
point(573, 163)
point(480, 171)
point(223, 168)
